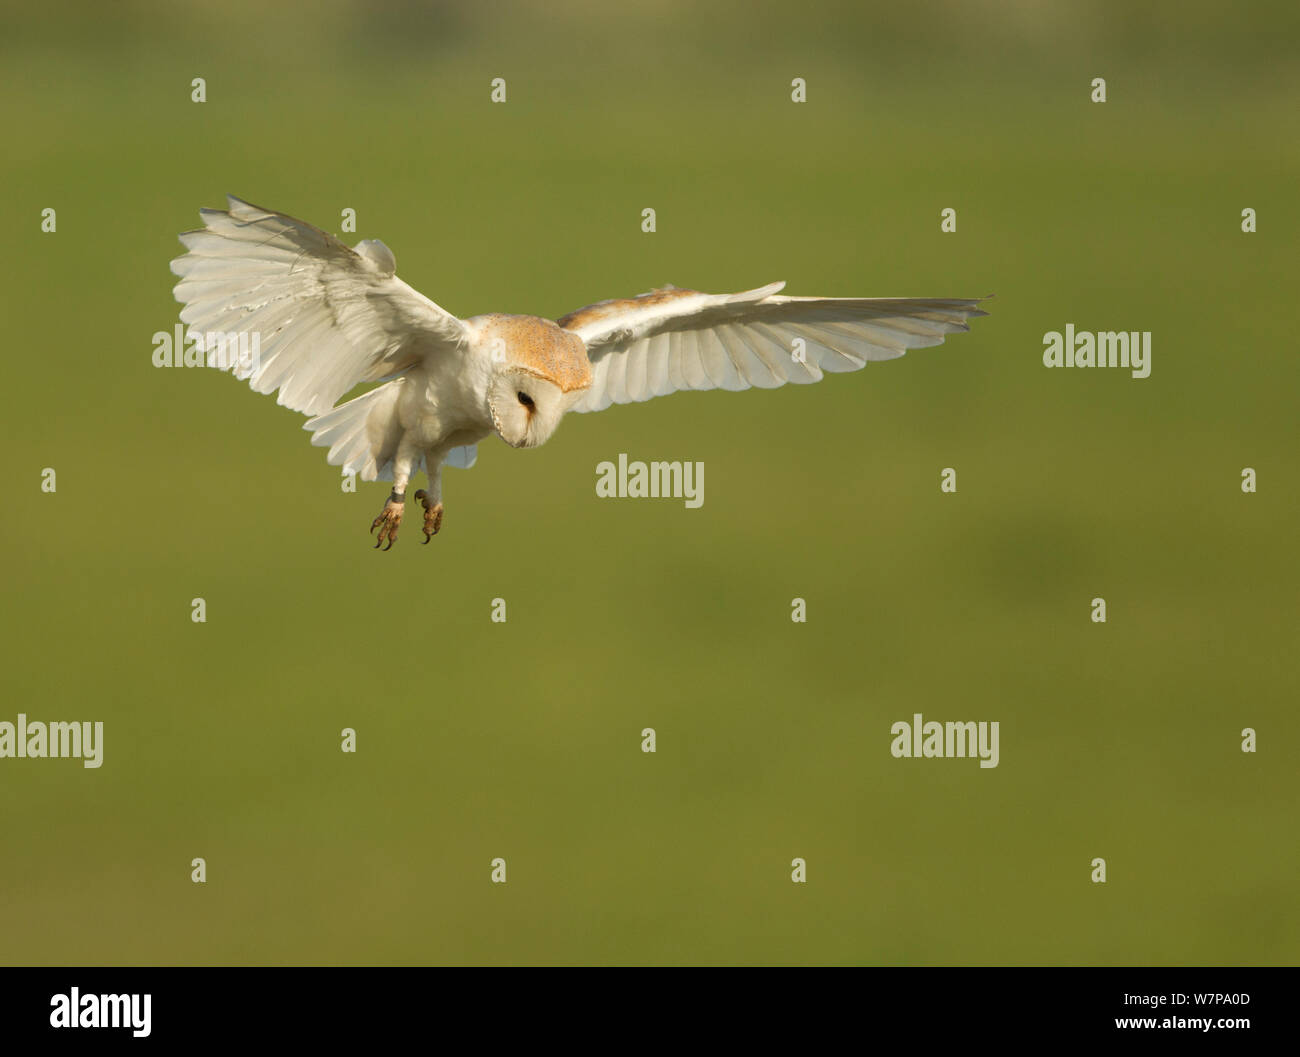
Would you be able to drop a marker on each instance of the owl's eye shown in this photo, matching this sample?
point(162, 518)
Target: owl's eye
point(525, 399)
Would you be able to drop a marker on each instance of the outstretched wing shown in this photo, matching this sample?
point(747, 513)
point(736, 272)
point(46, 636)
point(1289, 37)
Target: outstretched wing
point(318, 317)
point(671, 339)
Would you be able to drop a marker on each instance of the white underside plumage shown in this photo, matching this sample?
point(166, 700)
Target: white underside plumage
point(363, 434)
point(739, 341)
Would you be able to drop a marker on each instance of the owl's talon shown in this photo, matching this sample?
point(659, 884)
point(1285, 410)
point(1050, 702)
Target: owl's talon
point(388, 522)
point(432, 515)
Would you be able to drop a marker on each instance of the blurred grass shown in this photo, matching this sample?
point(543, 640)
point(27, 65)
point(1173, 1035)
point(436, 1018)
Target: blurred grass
point(522, 740)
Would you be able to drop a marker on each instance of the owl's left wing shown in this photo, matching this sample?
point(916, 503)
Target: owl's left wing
point(670, 339)
point(326, 317)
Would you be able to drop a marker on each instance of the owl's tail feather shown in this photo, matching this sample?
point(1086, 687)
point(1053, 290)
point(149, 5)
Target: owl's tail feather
point(362, 435)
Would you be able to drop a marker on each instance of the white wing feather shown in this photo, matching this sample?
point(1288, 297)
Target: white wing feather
point(327, 317)
point(670, 340)
point(462, 458)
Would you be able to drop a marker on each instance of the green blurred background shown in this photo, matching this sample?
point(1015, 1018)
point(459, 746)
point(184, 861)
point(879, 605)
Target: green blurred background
point(522, 740)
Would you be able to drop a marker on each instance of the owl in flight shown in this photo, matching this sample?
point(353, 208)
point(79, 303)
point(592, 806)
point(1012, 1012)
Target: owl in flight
point(327, 318)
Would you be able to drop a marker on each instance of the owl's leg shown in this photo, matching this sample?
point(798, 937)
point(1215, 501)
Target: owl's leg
point(390, 518)
point(432, 499)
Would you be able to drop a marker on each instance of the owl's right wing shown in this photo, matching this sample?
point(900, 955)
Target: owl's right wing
point(327, 317)
point(671, 340)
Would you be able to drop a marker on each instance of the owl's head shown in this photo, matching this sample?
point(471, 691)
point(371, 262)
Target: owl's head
point(539, 372)
point(526, 408)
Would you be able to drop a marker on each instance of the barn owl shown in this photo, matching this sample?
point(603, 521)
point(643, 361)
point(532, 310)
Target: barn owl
point(328, 318)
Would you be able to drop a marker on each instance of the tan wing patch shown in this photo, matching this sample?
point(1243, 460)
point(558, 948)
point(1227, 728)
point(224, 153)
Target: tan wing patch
point(542, 348)
point(603, 309)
